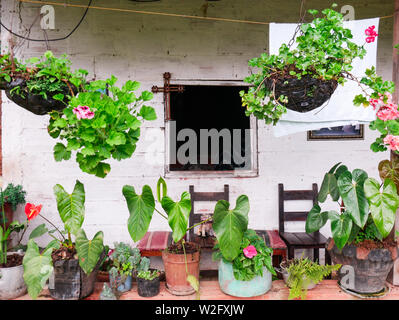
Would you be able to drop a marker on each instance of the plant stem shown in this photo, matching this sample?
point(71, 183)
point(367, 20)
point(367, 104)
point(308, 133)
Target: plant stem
point(161, 214)
point(199, 223)
point(53, 226)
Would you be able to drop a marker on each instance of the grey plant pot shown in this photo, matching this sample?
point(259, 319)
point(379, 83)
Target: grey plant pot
point(12, 283)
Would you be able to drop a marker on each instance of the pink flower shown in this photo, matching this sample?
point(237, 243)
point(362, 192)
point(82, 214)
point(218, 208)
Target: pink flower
point(250, 252)
point(83, 112)
point(385, 110)
point(371, 34)
point(392, 142)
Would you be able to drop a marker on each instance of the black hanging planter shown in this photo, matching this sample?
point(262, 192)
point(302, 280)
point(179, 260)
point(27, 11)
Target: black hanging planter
point(70, 282)
point(148, 288)
point(303, 95)
point(36, 103)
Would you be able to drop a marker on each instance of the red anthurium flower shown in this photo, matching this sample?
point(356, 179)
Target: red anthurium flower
point(250, 252)
point(32, 211)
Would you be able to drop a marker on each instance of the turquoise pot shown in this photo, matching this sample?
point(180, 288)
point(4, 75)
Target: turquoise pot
point(244, 289)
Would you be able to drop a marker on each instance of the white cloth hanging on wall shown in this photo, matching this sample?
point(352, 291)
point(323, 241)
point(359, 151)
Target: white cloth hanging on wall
point(339, 110)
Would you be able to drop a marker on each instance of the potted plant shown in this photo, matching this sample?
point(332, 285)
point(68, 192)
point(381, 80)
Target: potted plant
point(12, 197)
point(48, 84)
point(301, 275)
point(304, 78)
point(71, 267)
point(100, 127)
point(360, 231)
point(181, 259)
point(245, 268)
point(148, 283)
point(11, 271)
point(105, 266)
point(125, 262)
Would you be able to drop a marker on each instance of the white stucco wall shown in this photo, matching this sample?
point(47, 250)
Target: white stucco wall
point(142, 48)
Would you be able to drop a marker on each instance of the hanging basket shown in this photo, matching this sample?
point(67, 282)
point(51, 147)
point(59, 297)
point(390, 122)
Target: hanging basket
point(36, 103)
point(303, 95)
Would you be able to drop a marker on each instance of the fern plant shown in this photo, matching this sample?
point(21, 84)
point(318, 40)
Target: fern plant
point(304, 272)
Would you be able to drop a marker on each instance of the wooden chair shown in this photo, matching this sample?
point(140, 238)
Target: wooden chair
point(204, 242)
point(299, 240)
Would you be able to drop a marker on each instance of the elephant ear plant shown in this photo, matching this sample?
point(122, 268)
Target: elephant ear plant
point(38, 264)
point(238, 245)
point(367, 207)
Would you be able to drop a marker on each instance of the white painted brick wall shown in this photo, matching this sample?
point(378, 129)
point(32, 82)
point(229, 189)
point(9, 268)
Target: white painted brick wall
point(142, 48)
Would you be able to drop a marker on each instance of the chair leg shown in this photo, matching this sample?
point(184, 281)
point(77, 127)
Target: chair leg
point(291, 252)
point(328, 257)
point(316, 254)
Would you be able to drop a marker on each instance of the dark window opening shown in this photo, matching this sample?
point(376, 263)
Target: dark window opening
point(218, 110)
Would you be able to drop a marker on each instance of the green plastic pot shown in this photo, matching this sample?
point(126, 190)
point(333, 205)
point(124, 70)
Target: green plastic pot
point(243, 289)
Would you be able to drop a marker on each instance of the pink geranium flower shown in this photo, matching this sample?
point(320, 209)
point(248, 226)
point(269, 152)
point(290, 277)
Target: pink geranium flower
point(385, 110)
point(371, 34)
point(250, 252)
point(83, 112)
point(392, 142)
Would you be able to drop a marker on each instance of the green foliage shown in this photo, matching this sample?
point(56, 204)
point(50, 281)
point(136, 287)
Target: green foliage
point(112, 133)
point(148, 275)
point(6, 68)
point(304, 272)
point(324, 51)
point(230, 226)
point(362, 201)
point(245, 269)
point(71, 207)
point(141, 209)
point(125, 260)
point(38, 267)
point(14, 195)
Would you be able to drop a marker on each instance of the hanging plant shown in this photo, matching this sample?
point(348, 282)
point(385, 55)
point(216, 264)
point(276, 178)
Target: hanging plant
point(47, 84)
point(304, 78)
point(100, 127)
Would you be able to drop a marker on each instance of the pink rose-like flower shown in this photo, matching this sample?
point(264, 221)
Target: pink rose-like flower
point(389, 112)
point(250, 252)
point(392, 142)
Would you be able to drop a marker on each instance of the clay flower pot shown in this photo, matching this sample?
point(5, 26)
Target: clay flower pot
point(371, 266)
point(175, 271)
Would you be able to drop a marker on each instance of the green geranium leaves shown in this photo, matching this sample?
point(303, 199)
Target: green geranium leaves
point(89, 251)
point(112, 132)
point(71, 207)
point(141, 208)
point(38, 266)
point(230, 225)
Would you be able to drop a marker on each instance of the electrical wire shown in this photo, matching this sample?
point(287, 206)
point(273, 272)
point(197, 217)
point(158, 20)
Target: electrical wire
point(48, 40)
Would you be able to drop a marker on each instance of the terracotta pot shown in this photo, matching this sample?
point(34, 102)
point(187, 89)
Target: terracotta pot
point(370, 266)
point(175, 271)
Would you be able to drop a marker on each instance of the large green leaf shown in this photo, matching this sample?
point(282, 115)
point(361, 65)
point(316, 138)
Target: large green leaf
point(141, 207)
point(37, 267)
point(178, 214)
point(316, 219)
point(230, 225)
point(328, 187)
point(383, 205)
point(71, 207)
point(341, 227)
point(38, 231)
point(351, 188)
point(89, 251)
point(390, 170)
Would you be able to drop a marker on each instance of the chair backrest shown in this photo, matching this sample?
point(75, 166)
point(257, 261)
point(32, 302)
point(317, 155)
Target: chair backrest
point(203, 196)
point(287, 195)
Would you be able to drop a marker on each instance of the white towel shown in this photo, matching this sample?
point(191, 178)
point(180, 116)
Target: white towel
point(339, 110)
